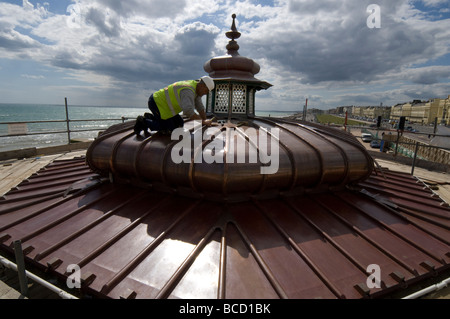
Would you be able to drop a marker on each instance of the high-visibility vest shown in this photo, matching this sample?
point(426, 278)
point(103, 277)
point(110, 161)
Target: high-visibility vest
point(168, 99)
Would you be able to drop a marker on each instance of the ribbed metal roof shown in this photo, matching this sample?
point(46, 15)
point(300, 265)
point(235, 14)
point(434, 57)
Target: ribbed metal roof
point(140, 242)
point(308, 156)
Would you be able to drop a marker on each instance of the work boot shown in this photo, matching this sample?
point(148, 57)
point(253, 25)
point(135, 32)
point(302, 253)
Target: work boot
point(140, 125)
point(149, 116)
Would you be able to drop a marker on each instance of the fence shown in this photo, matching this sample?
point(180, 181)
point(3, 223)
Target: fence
point(414, 149)
point(20, 128)
point(400, 144)
point(17, 129)
point(421, 150)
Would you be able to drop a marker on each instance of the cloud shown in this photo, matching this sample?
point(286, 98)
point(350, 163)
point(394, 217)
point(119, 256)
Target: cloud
point(428, 75)
point(32, 77)
point(305, 48)
point(196, 39)
point(27, 5)
point(107, 24)
point(305, 7)
point(434, 3)
point(14, 41)
point(118, 40)
point(149, 9)
point(337, 45)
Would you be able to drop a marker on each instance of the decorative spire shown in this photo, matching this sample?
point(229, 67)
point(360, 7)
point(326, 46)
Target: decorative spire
point(232, 45)
point(233, 66)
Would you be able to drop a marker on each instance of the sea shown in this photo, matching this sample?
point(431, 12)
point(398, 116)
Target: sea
point(48, 125)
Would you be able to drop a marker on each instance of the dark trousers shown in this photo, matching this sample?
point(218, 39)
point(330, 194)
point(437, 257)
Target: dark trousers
point(157, 123)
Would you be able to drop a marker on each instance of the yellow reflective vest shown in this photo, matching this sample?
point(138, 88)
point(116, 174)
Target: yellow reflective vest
point(168, 99)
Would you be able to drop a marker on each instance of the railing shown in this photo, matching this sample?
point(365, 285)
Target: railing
point(409, 147)
point(399, 146)
point(20, 128)
point(23, 274)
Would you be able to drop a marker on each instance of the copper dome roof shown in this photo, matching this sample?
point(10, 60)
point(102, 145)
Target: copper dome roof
point(310, 157)
point(236, 158)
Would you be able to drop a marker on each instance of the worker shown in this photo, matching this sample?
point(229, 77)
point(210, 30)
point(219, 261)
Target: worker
point(166, 104)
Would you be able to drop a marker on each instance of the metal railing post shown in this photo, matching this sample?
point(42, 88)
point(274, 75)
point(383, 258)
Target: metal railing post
point(415, 156)
point(21, 268)
point(396, 143)
point(67, 121)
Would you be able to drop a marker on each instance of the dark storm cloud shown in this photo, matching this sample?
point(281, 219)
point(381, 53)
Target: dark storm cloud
point(144, 58)
point(331, 41)
point(11, 39)
point(108, 25)
point(195, 40)
point(15, 42)
point(66, 60)
point(358, 55)
point(429, 75)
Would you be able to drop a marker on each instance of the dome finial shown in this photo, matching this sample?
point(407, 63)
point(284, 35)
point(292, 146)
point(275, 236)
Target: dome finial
point(232, 45)
point(233, 25)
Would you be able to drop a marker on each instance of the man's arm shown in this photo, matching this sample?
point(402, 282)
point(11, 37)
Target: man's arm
point(201, 116)
point(188, 104)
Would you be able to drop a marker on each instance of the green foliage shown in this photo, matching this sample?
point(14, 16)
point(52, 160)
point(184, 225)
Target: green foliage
point(327, 118)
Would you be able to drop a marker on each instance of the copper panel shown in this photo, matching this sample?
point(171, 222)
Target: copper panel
point(143, 243)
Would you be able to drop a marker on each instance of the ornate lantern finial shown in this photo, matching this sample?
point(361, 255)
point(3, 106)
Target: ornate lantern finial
point(232, 45)
point(234, 77)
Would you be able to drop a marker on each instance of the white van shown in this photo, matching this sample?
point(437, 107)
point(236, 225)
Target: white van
point(366, 137)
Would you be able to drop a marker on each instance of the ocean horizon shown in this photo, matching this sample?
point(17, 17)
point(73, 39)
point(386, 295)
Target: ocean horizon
point(105, 116)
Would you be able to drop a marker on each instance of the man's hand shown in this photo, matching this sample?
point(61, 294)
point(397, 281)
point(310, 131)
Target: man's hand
point(207, 122)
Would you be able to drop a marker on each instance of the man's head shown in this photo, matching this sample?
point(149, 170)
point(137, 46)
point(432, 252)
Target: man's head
point(205, 85)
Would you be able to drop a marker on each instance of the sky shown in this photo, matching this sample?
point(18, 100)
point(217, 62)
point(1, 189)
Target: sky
point(333, 53)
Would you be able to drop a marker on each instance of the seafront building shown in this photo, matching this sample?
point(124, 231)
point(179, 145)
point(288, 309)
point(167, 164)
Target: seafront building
point(371, 112)
point(416, 111)
point(423, 112)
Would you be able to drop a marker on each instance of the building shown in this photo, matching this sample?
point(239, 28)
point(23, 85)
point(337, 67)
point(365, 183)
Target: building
point(417, 111)
point(423, 112)
point(444, 111)
point(371, 112)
